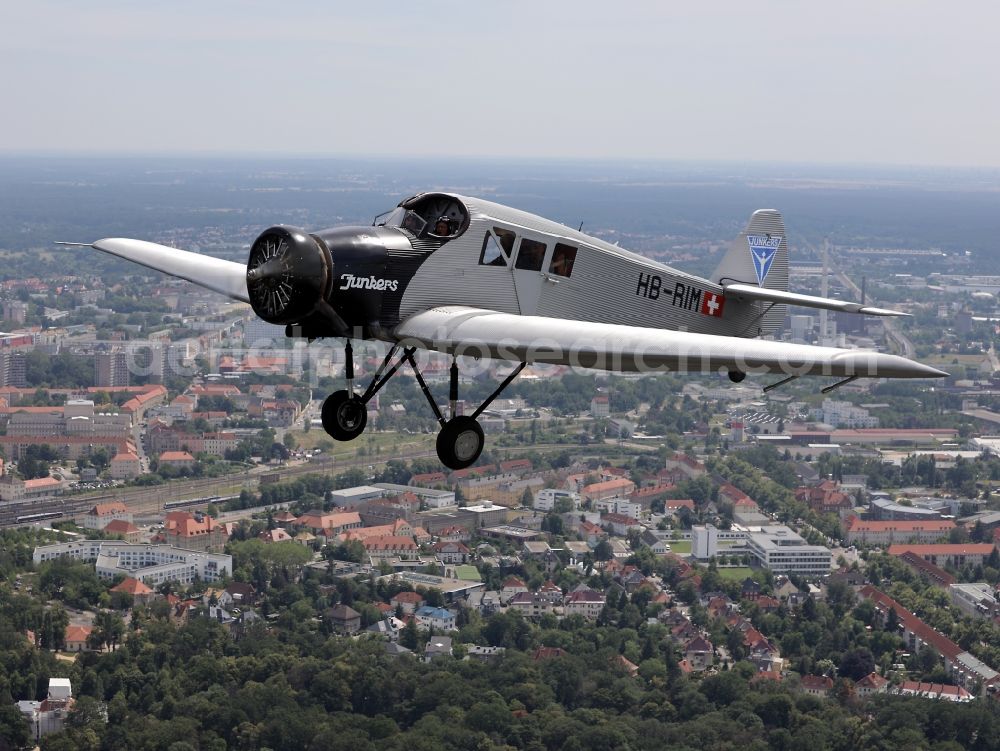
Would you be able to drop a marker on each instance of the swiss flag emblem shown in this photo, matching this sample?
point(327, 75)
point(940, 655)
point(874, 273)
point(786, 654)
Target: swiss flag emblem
point(712, 304)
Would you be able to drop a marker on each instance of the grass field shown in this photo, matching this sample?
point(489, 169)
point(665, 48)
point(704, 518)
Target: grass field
point(375, 445)
point(681, 547)
point(735, 574)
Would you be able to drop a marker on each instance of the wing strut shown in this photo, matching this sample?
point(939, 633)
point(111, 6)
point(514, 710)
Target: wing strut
point(838, 384)
point(782, 382)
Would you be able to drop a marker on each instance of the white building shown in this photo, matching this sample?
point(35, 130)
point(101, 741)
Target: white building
point(49, 715)
point(704, 542)
point(150, 564)
point(359, 494)
point(545, 500)
point(783, 551)
point(978, 600)
point(619, 506)
point(440, 619)
point(430, 497)
point(844, 415)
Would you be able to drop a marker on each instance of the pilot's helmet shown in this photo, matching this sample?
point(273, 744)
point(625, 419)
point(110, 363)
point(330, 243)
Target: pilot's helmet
point(445, 221)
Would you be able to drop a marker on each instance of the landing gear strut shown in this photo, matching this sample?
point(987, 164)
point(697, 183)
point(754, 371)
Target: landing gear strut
point(461, 440)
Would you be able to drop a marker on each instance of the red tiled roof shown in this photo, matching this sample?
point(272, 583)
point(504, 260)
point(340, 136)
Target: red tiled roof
point(132, 587)
point(176, 456)
point(120, 527)
point(912, 623)
point(974, 548)
point(931, 525)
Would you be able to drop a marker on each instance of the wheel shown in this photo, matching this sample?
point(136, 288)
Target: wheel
point(344, 416)
point(460, 442)
point(737, 376)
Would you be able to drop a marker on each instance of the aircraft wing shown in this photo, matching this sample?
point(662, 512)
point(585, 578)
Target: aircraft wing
point(226, 277)
point(753, 292)
point(536, 339)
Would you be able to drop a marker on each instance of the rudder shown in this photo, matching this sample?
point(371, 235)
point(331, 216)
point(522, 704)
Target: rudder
point(759, 255)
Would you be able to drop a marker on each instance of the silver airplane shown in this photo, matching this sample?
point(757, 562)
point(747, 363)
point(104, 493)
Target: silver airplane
point(469, 277)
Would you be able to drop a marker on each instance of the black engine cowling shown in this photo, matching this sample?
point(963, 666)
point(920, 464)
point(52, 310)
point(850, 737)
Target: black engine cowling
point(288, 275)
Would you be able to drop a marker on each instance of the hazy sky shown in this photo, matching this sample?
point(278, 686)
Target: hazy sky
point(900, 82)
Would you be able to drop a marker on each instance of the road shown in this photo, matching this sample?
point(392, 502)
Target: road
point(898, 341)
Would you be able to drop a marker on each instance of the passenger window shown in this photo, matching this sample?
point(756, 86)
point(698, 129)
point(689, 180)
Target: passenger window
point(506, 238)
point(530, 255)
point(492, 254)
point(563, 258)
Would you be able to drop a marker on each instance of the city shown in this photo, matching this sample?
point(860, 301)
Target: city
point(185, 549)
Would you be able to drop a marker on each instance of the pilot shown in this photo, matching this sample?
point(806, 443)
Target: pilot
point(561, 264)
point(442, 228)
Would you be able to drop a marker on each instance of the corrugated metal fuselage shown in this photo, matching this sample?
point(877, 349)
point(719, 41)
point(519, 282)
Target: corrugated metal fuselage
point(607, 284)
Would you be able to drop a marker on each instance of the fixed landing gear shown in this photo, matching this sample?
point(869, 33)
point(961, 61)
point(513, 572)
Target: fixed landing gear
point(461, 440)
point(344, 415)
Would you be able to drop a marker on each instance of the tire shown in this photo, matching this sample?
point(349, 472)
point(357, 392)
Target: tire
point(460, 442)
point(344, 416)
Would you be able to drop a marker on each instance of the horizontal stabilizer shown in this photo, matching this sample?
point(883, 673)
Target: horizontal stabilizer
point(777, 296)
point(226, 277)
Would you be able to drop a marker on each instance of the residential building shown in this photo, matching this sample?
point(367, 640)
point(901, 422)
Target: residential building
point(390, 546)
point(344, 619)
point(440, 619)
point(127, 530)
point(194, 532)
point(940, 691)
point(176, 459)
point(125, 466)
point(50, 714)
point(699, 653)
point(141, 593)
point(977, 600)
point(111, 369)
point(955, 556)
point(407, 601)
point(104, 513)
point(439, 646)
point(586, 602)
point(607, 489)
point(816, 685)
point(531, 604)
point(881, 533)
point(873, 683)
point(545, 500)
point(512, 586)
point(965, 669)
point(452, 552)
point(76, 638)
point(620, 524)
point(338, 522)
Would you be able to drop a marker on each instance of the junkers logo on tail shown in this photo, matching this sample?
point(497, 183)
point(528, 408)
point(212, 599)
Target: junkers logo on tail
point(762, 250)
point(349, 281)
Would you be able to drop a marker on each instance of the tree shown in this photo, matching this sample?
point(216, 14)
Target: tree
point(603, 551)
point(408, 636)
point(856, 663)
point(14, 729)
point(527, 499)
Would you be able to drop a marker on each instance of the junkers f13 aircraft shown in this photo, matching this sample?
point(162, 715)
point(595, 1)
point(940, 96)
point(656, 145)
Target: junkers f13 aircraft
point(469, 277)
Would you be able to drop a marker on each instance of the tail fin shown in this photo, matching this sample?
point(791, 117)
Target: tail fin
point(759, 256)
